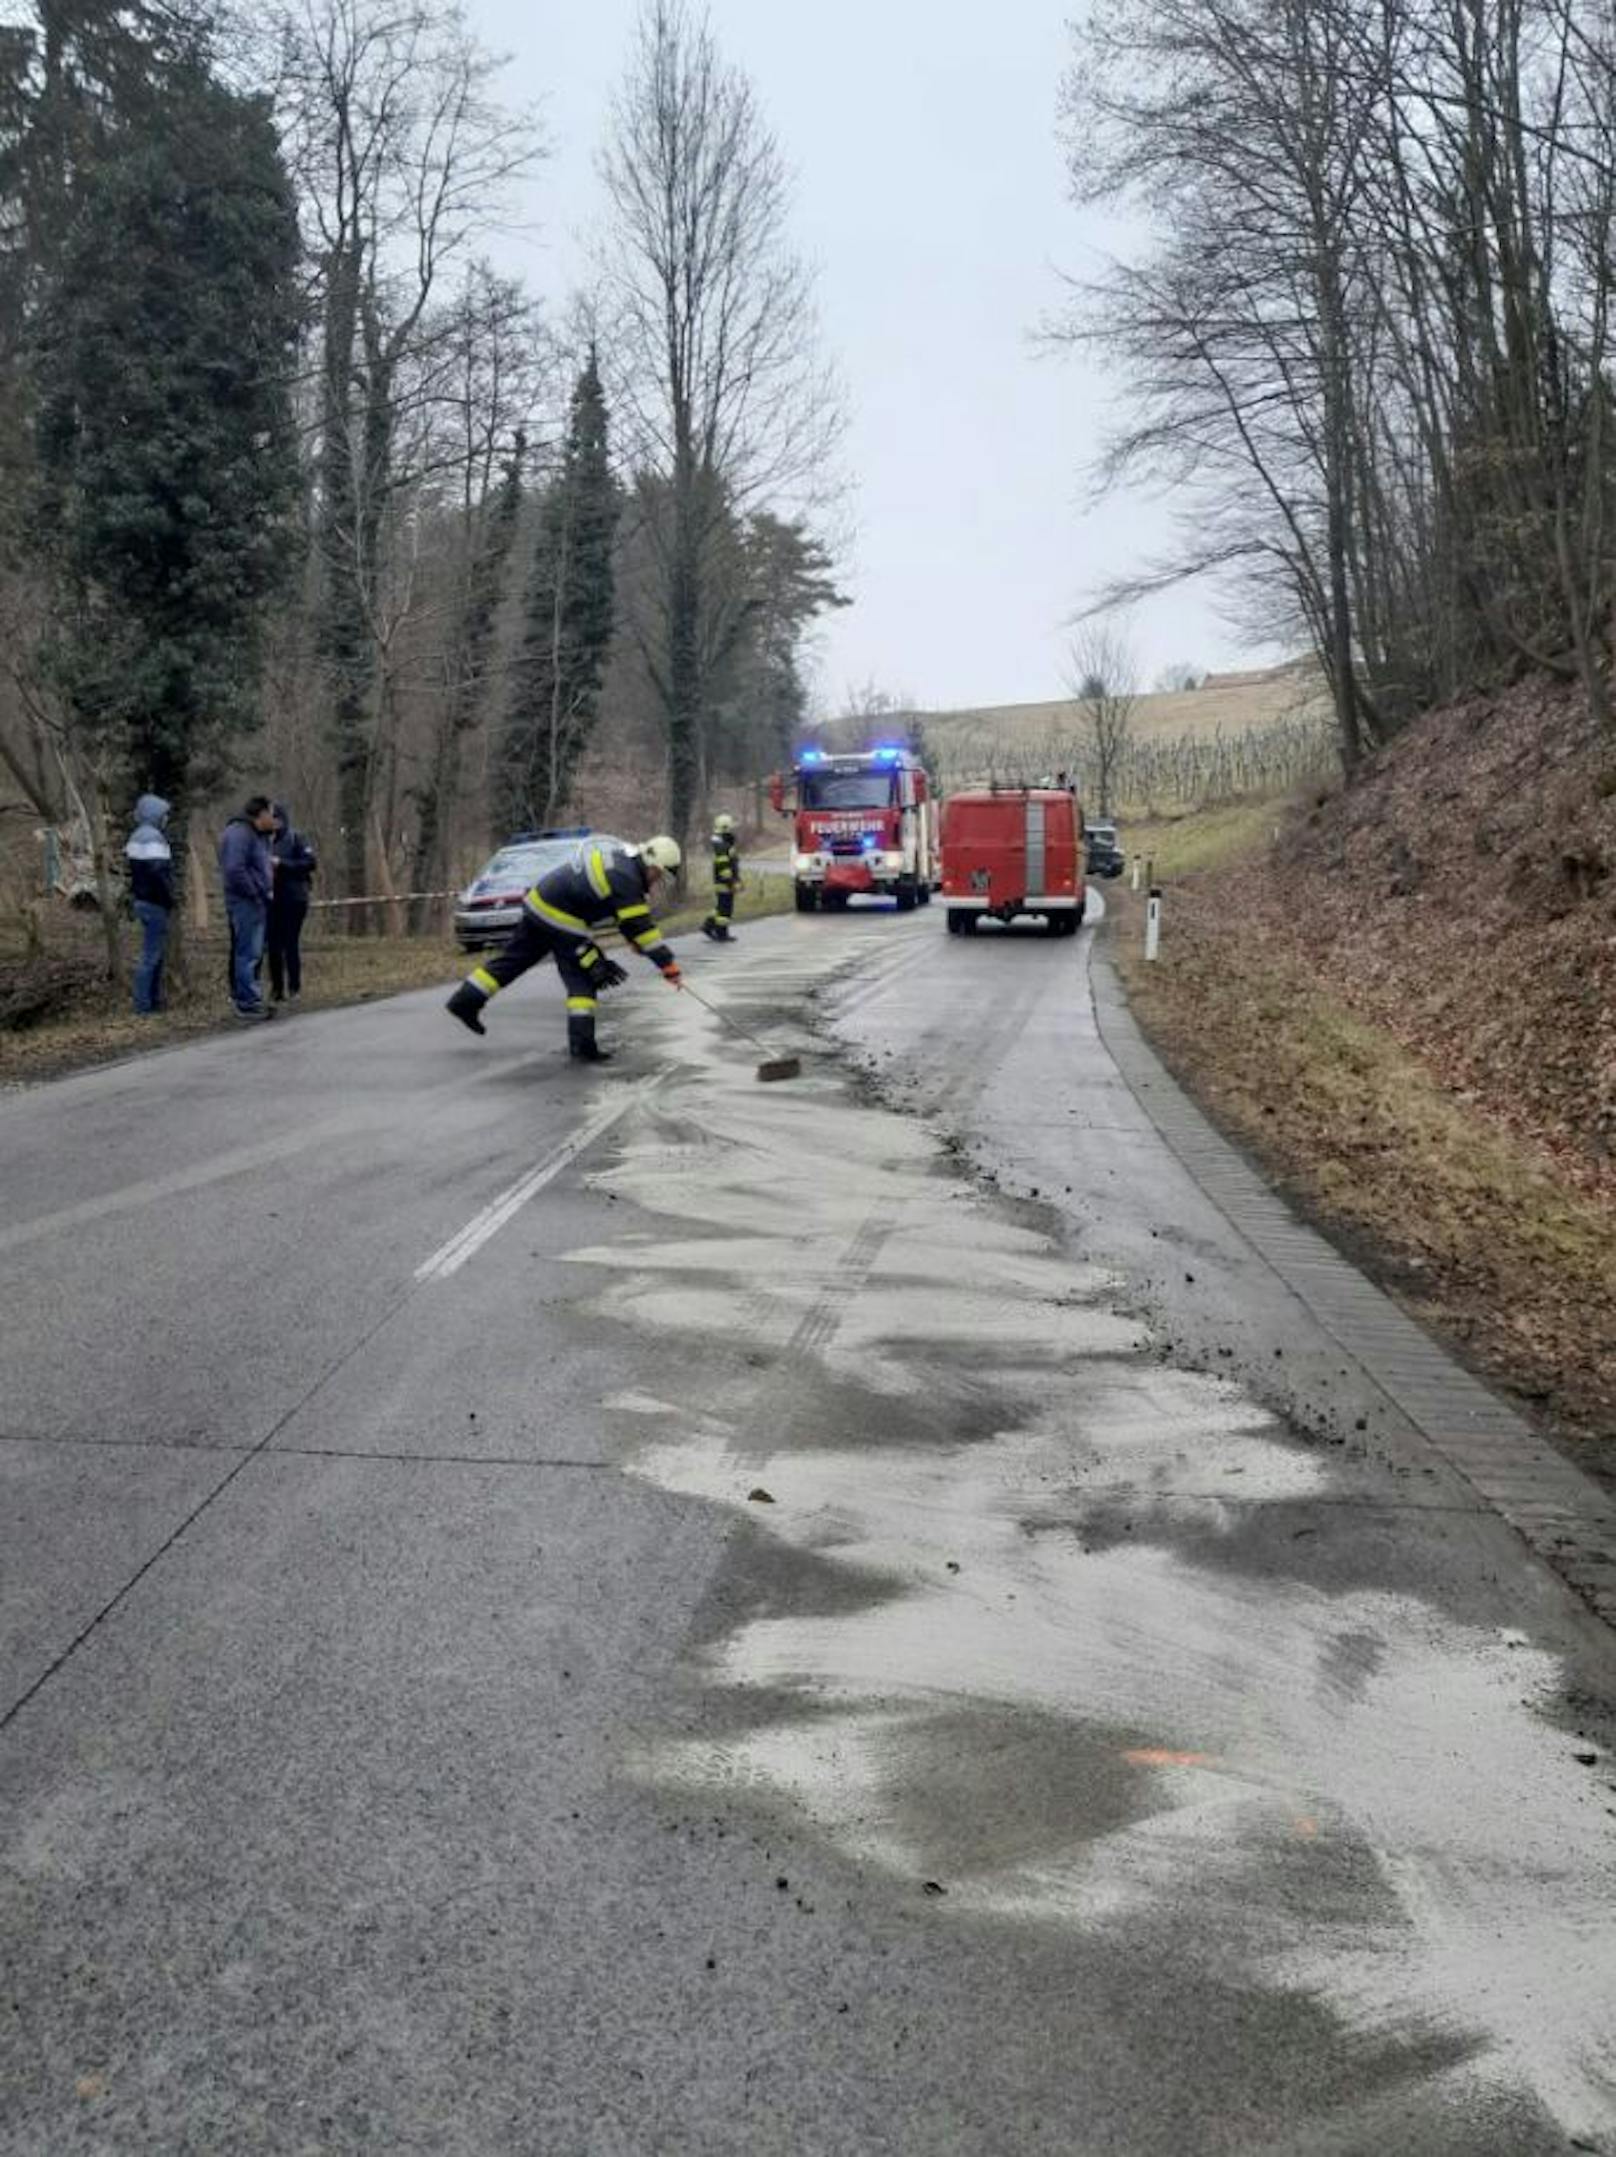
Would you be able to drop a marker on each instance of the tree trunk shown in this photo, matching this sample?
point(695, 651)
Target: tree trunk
point(684, 675)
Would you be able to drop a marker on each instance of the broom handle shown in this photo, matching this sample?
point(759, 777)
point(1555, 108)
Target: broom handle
point(734, 1025)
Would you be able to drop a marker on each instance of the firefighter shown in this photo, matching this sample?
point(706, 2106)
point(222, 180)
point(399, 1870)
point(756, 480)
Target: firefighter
point(602, 884)
point(726, 881)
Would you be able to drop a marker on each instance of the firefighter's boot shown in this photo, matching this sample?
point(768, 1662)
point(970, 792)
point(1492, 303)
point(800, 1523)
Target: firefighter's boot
point(467, 1005)
point(712, 927)
point(582, 1046)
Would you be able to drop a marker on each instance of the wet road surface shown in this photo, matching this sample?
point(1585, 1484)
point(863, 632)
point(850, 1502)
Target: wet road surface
point(651, 1612)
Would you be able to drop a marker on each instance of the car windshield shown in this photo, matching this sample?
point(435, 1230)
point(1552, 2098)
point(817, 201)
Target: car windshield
point(1103, 834)
point(847, 789)
point(524, 865)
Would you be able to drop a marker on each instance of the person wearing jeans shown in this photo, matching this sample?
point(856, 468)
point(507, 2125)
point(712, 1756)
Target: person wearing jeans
point(151, 892)
point(245, 866)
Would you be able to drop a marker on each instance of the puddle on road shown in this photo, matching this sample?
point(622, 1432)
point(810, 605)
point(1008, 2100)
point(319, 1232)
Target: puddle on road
point(1345, 1791)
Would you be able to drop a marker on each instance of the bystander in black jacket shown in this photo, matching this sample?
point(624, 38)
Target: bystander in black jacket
point(295, 866)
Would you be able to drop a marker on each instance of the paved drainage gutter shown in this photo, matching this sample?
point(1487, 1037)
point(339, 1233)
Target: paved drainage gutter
point(1562, 1514)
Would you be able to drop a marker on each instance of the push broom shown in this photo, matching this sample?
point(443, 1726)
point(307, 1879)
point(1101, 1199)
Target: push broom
point(772, 1066)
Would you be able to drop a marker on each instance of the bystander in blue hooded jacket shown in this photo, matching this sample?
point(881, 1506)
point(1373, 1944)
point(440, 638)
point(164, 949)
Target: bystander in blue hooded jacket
point(149, 855)
point(151, 891)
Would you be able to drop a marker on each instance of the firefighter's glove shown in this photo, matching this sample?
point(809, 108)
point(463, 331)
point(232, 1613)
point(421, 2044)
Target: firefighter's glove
point(672, 976)
point(607, 975)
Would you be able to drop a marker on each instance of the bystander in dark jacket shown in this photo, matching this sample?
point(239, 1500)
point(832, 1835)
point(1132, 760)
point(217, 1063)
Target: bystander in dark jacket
point(247, 870)
point(295, 865)
point(151, 892)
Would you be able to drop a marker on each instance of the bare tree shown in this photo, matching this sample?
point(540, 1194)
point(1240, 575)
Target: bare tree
point(1177, 677)
point(712, 331)
point(1370, 344)
point(1103, 677)
point(403, 157)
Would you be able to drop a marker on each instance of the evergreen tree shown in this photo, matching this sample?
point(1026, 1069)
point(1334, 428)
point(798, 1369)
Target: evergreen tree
point(166, 457)
point(787, 580)
point(568, 618)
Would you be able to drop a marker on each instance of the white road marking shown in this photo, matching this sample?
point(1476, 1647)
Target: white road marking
point(451, 1256)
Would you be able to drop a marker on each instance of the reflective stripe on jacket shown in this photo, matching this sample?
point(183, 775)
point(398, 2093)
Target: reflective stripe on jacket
point(601, 886)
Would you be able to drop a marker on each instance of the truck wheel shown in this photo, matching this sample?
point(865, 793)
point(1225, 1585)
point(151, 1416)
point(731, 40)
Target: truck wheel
point(956, 923)
point(904, 893)
point(923, 895)
point(968, 923)
point(807, 899)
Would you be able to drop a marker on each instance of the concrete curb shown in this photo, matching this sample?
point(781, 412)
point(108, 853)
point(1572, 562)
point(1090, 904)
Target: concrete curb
point(1562, 1514)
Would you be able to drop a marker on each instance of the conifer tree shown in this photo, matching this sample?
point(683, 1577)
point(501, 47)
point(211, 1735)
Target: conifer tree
point(567, 624)
point(166, 457)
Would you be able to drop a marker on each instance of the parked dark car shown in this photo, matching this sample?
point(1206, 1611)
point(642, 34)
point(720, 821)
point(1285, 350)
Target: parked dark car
point(1105, 856)
point(488, 909)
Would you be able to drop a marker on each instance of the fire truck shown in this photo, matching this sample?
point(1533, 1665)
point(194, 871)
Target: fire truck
point(865, 821)
point(1013, 850)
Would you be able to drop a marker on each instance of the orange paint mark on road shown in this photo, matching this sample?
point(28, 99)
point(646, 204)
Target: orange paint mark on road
point(1159, 1756)
point(1306, 1827)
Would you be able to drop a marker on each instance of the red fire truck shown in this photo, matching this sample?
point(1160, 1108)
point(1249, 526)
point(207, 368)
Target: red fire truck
point(1013, 850)
point(864, 822)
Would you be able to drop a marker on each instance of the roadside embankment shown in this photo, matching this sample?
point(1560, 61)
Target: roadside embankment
point(1402, 999)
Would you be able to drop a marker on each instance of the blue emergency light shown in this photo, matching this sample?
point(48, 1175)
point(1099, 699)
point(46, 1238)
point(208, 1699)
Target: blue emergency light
point(810, 756)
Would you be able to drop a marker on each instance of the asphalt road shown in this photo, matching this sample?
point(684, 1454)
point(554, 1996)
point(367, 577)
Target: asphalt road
point(639, 1611)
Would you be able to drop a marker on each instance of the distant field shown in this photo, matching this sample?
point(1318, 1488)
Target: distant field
point(1229, 704)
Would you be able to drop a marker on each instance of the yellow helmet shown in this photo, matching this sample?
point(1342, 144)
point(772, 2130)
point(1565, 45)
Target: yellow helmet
point(660, 853)
point(724, 824)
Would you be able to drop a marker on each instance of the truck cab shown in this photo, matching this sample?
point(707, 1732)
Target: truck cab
point(1014, 850)
point(864, 822)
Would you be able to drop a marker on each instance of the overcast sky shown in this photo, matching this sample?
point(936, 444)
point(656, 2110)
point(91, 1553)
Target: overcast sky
point(930, 195)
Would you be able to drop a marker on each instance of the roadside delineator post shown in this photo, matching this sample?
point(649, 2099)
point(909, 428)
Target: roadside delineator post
point(1136, 872)
point(1153, 923)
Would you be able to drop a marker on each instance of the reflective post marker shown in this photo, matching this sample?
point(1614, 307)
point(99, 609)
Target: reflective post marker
point(1153, 923)
point(1136, 872)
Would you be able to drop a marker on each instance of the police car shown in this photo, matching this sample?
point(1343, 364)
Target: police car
point(489, 908)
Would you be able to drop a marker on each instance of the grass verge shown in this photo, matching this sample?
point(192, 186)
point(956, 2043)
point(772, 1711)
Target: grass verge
point(93, 1024)
point(1191, 843)
point(1471, 1226)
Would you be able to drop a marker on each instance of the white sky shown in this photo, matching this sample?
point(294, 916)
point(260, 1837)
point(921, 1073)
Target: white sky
point(930, 194)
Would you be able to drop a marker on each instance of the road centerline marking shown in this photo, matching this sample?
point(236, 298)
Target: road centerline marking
point(468, 1241)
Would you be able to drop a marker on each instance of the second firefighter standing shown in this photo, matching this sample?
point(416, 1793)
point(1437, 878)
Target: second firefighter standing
point(726, 881)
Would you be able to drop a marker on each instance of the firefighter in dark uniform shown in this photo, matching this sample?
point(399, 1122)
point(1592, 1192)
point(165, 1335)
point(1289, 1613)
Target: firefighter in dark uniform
point(726, 881)
point(602, 885)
